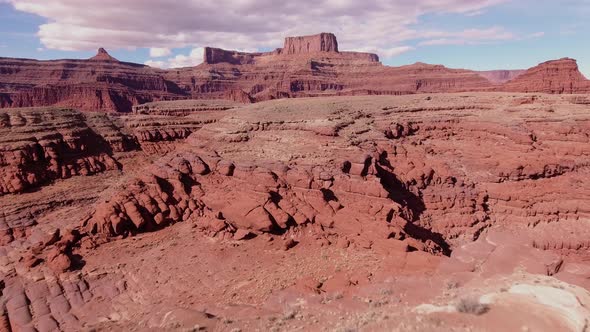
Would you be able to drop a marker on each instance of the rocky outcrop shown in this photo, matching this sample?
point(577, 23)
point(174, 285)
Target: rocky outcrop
point(342, 202)
point(398, 162)
point(42, 145)
point(99, 84)
point(222, 198)
point(323, 42)
point(184, 107)
point(103, 55)
point(38, 145)
point(217, 55)
point(558, 77)
point(161, 134)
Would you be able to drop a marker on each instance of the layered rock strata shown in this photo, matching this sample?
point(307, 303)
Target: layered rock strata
point(306, 66)
point(400, 209)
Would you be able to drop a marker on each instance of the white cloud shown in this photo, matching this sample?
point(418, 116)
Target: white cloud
point(385, 25)
point(159, 52)
point(195, 57)
point(156, 63)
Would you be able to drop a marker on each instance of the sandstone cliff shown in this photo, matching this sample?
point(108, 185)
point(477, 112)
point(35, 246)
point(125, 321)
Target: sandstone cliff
point(99, 84)
point(306, 66)
point(323, 42)
point(39, 145)
point(557, 76)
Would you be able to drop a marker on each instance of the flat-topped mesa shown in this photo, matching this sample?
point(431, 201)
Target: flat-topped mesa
point(323, 42)
point(214, 55)
point(103, 55)
point(555, 77)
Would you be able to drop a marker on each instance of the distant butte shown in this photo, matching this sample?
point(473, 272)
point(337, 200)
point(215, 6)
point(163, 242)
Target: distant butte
point(323, 42)
point(103, 55)
point(306, 66)
point(556, 77)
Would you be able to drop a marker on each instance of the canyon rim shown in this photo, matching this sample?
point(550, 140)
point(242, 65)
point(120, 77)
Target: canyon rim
point(299, 188)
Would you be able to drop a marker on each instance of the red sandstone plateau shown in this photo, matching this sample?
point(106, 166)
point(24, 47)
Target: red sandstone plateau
point(308, 66)
point(396, 199)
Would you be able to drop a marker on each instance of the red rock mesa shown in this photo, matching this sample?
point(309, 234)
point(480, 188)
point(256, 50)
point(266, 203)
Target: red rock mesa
point(306, 66)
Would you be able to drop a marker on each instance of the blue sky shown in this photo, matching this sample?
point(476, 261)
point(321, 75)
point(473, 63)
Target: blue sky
point(474, 34)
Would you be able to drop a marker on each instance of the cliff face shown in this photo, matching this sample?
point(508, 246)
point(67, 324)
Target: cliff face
point(557, 76)
point(40, 145)
point(99, 84)
point(217, 55)
point(313, 66)
point(306, 66)
point(323, 42)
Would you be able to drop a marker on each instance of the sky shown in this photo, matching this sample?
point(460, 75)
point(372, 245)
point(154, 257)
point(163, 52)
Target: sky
point(472, 34)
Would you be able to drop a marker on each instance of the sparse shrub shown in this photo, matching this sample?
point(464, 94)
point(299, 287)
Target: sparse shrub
point(452, 284)
point(471, 305)
point(290, 314)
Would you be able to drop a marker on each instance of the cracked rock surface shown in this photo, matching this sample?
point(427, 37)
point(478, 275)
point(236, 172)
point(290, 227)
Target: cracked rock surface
point(449, 211)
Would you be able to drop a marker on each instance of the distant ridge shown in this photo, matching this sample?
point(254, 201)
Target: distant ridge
point(306, 66)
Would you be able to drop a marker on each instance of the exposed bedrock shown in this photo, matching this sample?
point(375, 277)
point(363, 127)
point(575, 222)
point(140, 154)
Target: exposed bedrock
point(557, 77)
point(222, 197)
point(38, 145)
point(342, 166)
point(42, 145)
point(323, 42)
point(344, 202)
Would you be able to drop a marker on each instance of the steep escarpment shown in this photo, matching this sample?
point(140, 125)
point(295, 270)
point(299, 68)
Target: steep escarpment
point(184, 107)
point(214, 55)
point(323, 42)
point(99, 84)
point(306, 66)
point(321, 74)
point(41, 145)
point(38, 145)
point(558, 76)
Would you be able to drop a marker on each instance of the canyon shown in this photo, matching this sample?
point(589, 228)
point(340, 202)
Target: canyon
point(434, 210)
point(307, 66)
point(305, 188)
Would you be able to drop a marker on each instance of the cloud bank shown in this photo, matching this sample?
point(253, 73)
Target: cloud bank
point(387, 27)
